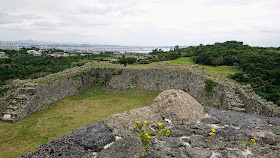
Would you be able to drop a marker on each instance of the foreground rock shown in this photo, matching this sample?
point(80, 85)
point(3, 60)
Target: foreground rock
point(189, 137)
point(179, 102)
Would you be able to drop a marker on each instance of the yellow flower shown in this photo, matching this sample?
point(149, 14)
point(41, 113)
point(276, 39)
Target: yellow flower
point(149, 137)
point(160, 124)
point(211, 134)
point(213, 130)
point(253, 141)
point(137, 121)
point(146, 134)
point(167, 133)
point(134, 126)
point(145, 122)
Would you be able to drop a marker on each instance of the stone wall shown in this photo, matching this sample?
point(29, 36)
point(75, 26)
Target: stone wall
point(35, 95)
point(157, 79)
point(32, 97)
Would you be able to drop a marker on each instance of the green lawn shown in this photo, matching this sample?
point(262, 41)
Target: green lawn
point(213, 71)
point(187, 61)
point(220, 70)
point(91, 104)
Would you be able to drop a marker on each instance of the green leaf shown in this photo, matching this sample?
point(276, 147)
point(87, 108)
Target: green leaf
point(277, 133)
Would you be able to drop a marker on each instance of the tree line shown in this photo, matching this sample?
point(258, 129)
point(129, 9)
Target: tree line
point(259, 66)
point(21, 66)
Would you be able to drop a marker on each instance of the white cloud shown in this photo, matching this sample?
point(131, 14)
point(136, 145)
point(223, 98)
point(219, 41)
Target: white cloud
point(145, 22)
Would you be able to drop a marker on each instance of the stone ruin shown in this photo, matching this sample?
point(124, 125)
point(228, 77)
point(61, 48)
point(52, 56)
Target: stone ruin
point(189, 136)
point(29, 96)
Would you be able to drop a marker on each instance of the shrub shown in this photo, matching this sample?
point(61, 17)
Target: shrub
point(209, 86)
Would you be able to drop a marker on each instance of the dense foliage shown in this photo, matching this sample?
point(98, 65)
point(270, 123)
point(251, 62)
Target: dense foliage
point(21, 66)
point(164, 56)
point(259, 66)
point(128, 60)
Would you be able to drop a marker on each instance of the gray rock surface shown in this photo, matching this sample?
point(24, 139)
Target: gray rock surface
point(164, 147)
point(129, 147)
point(93, 136)
point(243, 120)
point(83, 142)
point(199, 153)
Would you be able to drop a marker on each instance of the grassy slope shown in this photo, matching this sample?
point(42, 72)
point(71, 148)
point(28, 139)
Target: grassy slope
point(213, 71)
point(66, 115)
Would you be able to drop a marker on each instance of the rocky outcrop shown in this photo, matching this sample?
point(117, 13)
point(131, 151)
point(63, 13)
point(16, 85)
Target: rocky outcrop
point(116, 137)
point(83, 142)
point(179, 102)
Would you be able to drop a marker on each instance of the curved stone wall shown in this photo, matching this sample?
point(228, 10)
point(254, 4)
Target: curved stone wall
point(35, 95)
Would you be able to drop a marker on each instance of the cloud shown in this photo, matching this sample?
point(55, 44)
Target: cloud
point(145, 22)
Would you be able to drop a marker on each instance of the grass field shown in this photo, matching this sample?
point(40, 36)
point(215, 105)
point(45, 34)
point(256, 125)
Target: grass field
point(213, 71)
point(66, 115)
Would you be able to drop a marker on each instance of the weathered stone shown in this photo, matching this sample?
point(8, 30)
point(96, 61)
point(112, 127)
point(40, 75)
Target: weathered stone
point(236, 145)
point(164, 147)
point(233, 153)
point(128, 147)
point(237, 118)
point(214, 144)
point(209, 121)
point(93, 136)
point(171, 118)
point(180, 130)
point(199, 153)
point(198, 141)
point(122, 124)
point(58, 148)
point(229, 134)
point(178, 102)
point(265, 137)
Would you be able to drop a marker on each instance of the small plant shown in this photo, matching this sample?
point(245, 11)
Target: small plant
point(277, 133)
point(251, 141)
point(145, 132)
point(222, 123)
point(209, 86)
point(212, 133)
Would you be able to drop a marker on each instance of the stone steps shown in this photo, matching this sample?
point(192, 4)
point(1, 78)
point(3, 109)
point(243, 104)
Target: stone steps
point(21, 98)
point(238, 109)
point(235, 100)
point(11, 120)
point(27, 90)
point(12, 107)
point(10, 114)
point(30, 85)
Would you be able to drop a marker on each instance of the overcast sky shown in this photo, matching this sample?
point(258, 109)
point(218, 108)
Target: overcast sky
point(142, 22)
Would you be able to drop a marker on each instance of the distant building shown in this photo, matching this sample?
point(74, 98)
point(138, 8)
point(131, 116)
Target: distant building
point(43, 48)
point(34, 53)
point(59, 54)
point(9, 47)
